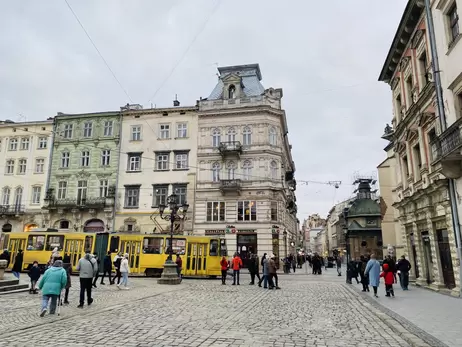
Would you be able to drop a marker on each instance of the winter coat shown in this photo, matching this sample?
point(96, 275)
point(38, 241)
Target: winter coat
point(271, 266)
point(107, 262)
point(117, 261)
point(391, 264)
point(265, 267)
point(373, 271)
point(5, 256)
point(34, 273)
point(236, 263)
point(53, 281)
point(404, 265)
point(224, 264)
point(124, 266)
point(68, 268)
point(253, 264)
point(17, 267)
point(387, 275)
point(87, 266)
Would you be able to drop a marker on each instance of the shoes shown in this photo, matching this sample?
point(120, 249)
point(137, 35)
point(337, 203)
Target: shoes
point(278, 287)
point(66, 302)
point(376, 295)
point(44, 311)
point(94, 286)
point(234, 284)
point(90, 301)
point(80, 306)
point(118, 286)
point(102, 283)
point(259, 284)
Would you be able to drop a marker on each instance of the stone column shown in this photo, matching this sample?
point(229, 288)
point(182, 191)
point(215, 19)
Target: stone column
point(3, 264)
point(423, 156)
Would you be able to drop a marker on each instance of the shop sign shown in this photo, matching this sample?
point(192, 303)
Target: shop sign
point(243, 231)
point(231, 229)
point(275, 229)
point(215, 232)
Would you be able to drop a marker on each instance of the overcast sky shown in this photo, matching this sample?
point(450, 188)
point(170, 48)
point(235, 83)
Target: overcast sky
point(326, 55)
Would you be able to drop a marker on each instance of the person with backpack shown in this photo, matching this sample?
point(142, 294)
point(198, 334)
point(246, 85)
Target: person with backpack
point(117, 260)
point(87, 268)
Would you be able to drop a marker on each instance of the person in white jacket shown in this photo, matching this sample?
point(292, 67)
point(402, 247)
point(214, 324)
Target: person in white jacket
point(124, 270)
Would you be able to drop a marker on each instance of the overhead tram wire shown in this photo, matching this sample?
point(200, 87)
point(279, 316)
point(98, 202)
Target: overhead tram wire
point(98, 51)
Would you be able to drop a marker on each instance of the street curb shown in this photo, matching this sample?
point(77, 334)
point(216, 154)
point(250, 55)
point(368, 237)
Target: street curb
point(413, 335)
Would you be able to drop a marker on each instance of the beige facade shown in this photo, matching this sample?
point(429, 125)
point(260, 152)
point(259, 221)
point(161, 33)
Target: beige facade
point(24, 157)
point(424, 211)
point(245, 184)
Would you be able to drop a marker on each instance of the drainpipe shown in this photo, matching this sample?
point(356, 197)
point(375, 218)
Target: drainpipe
point(117, 175)
point(443, 124)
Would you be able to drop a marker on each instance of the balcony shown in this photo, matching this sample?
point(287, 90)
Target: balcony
point(12, 210)
point(231, 148)
point(88, 203)
point(234, 185)
point(446, 150)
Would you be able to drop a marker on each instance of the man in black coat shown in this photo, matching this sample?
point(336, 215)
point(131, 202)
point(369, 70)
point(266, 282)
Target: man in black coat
point(107, 265)
point(253, 269)
point(404, 266)
point(17, 267)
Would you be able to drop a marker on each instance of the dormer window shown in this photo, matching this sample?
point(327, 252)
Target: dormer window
point(231, 92)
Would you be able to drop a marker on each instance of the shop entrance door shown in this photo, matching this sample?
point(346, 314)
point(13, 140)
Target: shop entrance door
point(446, 259)
point(74, 248)
point(246, 244)
point(133, 248)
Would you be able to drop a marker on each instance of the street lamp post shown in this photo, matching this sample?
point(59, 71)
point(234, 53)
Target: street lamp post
point(177, 213)
point(347, 244)
point(285, 243)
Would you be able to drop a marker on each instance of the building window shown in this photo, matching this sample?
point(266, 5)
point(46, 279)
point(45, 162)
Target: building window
point(247, 170)
point(108, 128)
point(81, 192)
point(43, 142)
point(231, 169)
point(417, 161)
point(246, 136)
point(273, 140)
point(22, 168)
point(39, 165)
point(216, 172)
point(36, 193)
point(62, 190)
point(87, 129)
point(274, 211)
point(231, 92)
point(136, 133)
point(105, 157)
point(6, 192)
point(459, 104)
point(85, 158)
point(164, 131)
point(274, 170)
point(67, 134)
point(181, 130)
point(405, 167)
point(18, 196)
point(398, 107)
point(422, 64)
point(25, 141)
point(409, 87)
point(132, 196)
point(216, 211)
point(160, 195)
point(181, 191)
point(9, 168)
point(103, 188)
point(13, 145)
point(246, 211)
point(64, 224)
point(216, 137)
point(65, 159)
point(181, 161)
point(453, 18)
point(231, 134)
point(162, 161)
point(134, 162)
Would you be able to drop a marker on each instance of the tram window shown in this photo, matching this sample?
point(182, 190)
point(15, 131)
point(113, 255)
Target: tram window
point(36, 243)
point(179, 246)
point(213, 247)
point(153, 245)
point(88, 243)
point(223, 248)
point(55, 241)
point(114, 247)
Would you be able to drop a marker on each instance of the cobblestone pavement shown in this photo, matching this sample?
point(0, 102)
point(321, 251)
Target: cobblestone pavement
point(307, 311)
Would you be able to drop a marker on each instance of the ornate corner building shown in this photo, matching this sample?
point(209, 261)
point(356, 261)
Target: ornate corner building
point(245, 183)
point(82, 181)
point(423, 153)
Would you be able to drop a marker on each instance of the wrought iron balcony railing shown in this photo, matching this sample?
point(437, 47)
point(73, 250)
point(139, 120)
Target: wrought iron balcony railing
point(448, 143)
point(11, 210)
point(230, 147)
point(234, 184)
point(77, 203)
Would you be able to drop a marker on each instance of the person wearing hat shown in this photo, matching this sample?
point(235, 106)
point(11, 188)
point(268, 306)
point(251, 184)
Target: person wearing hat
point(53, 281)
point(272, 270)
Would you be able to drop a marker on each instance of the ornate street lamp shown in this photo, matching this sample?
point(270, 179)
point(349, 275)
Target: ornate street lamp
point(177, 213)
point(347, 245)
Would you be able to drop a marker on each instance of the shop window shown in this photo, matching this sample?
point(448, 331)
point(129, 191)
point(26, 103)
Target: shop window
point(153, 245)
point(36, 243)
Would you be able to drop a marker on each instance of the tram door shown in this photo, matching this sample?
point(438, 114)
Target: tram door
point(74, 248)
point(133, 248)
point(13, 247)
point(196, 259)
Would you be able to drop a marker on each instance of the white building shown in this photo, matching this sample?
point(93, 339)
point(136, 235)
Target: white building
point(157, 158)
point(24, 157)
point(245, 185)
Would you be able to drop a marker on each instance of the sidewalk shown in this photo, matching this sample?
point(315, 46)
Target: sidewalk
point(436, 314)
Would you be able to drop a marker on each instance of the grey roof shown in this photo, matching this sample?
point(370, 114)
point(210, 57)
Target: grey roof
point(250, 76)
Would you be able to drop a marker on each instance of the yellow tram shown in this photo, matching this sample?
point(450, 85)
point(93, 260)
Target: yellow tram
point(147, 252)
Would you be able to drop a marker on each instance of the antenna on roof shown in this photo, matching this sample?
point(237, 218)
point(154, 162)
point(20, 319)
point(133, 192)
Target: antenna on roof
point(176, 103)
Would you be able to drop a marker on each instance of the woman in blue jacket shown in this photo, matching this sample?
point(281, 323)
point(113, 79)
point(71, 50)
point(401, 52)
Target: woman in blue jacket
point(373, 271)
point(52, 283)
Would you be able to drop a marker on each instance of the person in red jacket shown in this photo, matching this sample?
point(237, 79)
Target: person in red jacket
point(236, 263)
point(224, 269)
point(389, 278)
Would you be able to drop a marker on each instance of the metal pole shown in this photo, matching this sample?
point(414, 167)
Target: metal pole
point(172, 220)
point(443, 124)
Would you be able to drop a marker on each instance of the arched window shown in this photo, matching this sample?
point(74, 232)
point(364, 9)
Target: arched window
point(246, 136)
point(216, 172)
point(231, 169)
point(273, 139)
point(231, 134)
point(6, 192)
point(18, 196)
point(247, 170)
point(274, 170)
point(231, 92)
point(216, 137)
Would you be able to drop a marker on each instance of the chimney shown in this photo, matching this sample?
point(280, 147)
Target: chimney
point(176, 103)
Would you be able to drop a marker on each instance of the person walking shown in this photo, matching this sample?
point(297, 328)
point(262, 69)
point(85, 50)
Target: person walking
point(237, 265)
point(339, 266)
point(265, 274)
point(179, 265)
point(389, 278)
point(294, 263)
point(117, 260)
point(124, 270)
point(87, 268)
point(224, 269)
point(68, 268)
point(95, 256)
point(253, 269)
point(5, 256)
point(52, 283)
point(34, 275)
point(364, 278)
point(17, 266)
point(373, 271)
point(272, 270)
point(107, 268)
point(404, 266)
